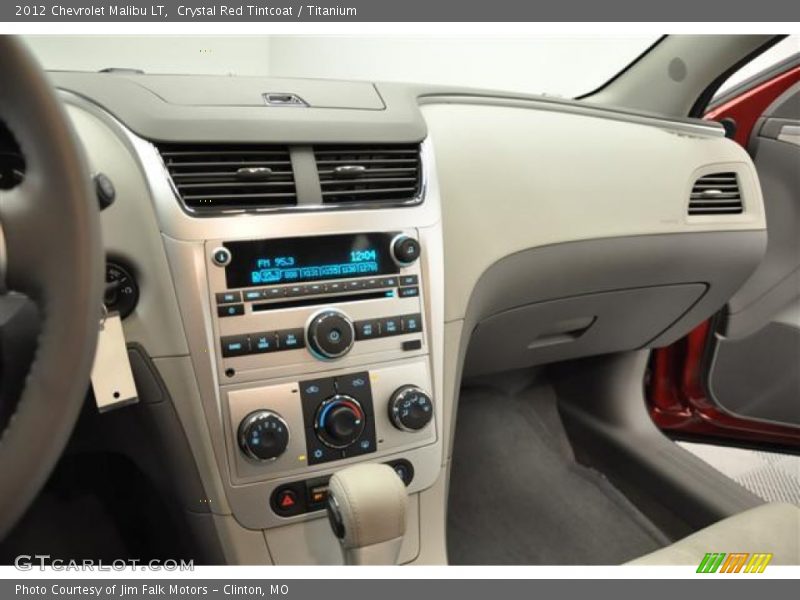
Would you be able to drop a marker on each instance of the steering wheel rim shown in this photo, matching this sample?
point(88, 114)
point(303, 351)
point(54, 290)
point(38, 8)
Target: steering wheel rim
point(50, 250)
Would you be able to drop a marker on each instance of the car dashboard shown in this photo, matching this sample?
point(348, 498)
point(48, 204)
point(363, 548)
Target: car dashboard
point(317, 265)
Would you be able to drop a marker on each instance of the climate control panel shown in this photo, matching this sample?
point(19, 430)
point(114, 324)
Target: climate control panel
point(291, 427)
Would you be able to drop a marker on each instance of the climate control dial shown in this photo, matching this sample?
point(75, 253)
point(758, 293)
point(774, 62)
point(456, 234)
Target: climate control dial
point(263, 435)
point(410, 408)
point(340, 421)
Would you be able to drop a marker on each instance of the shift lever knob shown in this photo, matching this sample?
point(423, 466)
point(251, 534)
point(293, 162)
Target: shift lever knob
point(367, 510)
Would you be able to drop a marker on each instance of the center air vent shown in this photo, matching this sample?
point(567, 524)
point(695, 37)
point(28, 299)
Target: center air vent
point(216, 178)
point(716, 194)
point(374, 174)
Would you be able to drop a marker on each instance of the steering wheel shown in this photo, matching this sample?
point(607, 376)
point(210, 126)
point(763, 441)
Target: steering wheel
point(50, 250)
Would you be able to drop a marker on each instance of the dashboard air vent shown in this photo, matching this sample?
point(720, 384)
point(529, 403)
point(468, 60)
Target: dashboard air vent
point(716, 194)
point(369, 174)
point(227, 177)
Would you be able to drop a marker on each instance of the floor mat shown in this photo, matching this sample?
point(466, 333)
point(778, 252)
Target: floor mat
point(773, 476)
point(518, 497)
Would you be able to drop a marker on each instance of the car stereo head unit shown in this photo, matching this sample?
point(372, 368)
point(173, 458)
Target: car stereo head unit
point(297, 301)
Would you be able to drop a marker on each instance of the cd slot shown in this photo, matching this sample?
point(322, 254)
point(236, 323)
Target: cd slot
point(295, 303)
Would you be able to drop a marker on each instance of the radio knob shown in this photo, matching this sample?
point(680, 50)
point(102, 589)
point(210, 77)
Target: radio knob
point(405, 250)
point(410, 409)
point(263, 435)
point(340, 421)
point(330, 334)
point(221, 256)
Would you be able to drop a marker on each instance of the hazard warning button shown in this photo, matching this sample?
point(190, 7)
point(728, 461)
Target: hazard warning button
point(287, 502)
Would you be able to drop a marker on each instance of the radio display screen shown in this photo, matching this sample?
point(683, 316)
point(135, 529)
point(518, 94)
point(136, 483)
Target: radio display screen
point(299, 260)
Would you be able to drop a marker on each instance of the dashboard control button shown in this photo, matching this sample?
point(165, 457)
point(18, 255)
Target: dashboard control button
point(289, 500)
point(404, 470)
point(312, 393)
point(367, 330)
point(354, 284)
point(334, 287)
point(408, 292)
point(356, 385)
point(317, 452)
point(363, 446)
point(266, 341)
point(229, 297)
point(235, 345)
point(122, 291)
point(317, 493)
point(251, 295)
point(263, 435)
point(410, 345)
point(389, 282)
point(221, 256)
point(409, 280)
point(390, 326)
point(405, 250)
point(373, 283)
point(315, 288)
point(411, 323)
point(295, 290)
point(330, 334)
point(274, 292)
point(340, 421)
point(410, 409)
point(290, 339)
point(230, 310)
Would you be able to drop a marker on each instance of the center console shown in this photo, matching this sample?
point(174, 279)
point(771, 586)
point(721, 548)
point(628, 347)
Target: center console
point(322, 360)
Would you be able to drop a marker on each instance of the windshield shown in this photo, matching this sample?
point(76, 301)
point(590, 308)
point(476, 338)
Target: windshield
point(566, 66)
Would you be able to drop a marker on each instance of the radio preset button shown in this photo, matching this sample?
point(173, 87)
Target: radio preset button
point(409, 280)
point(296, 290)
point(334, 287)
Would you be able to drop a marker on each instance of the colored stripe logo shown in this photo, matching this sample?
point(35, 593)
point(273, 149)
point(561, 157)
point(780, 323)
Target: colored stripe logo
point(735, 562)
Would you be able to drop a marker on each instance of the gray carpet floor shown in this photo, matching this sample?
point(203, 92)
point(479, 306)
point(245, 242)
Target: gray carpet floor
point(518, 497)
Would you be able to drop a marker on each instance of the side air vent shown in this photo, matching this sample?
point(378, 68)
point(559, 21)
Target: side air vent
point(716, 194)
point(218, 178)
point(380, 174)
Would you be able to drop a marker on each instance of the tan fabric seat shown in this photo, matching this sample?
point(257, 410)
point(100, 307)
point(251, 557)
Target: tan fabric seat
point(772, 528)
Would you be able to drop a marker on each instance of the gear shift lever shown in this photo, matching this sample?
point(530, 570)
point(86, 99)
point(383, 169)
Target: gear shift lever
point(367, 511)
